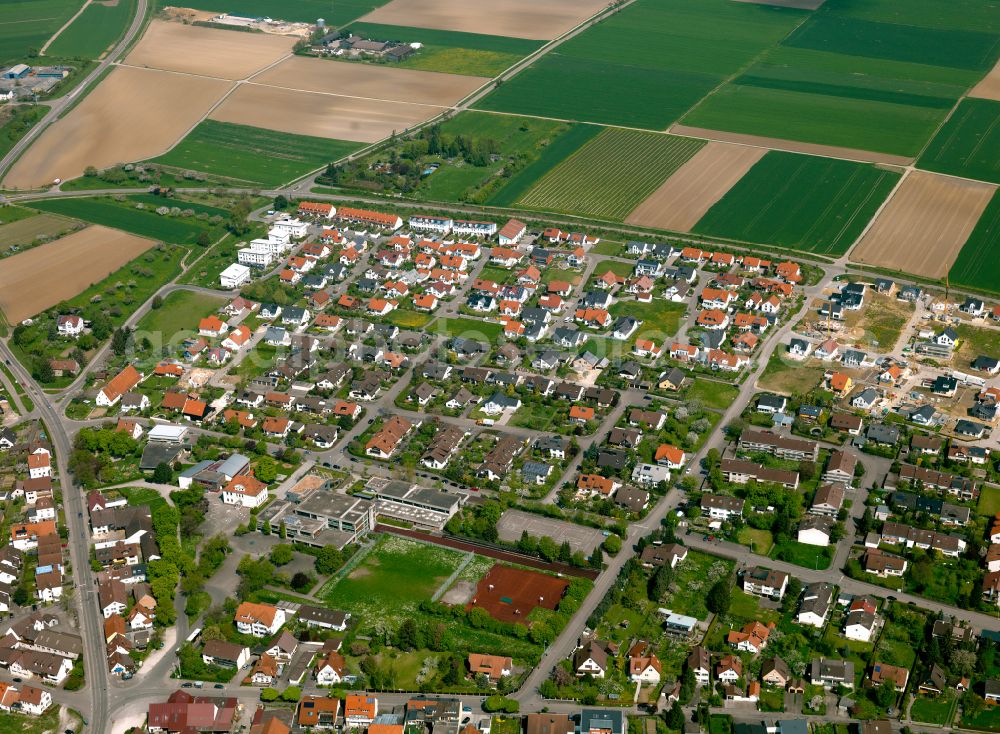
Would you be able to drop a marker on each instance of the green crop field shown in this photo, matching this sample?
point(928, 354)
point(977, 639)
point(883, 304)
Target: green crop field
point(304, 11)
point(474, 54)
point(969, 143)
point(801, 202)
point(969, 15)
point(612, 174)
point(143, 222)
point(646, 65)
point(181, 311)
point(96, 30)
point(252, 154)
point(26, 25)
point(977, 264)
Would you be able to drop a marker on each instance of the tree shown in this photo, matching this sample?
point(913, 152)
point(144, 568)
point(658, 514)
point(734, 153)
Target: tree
point(163, 474)
point(280, 202)
point(675, 717)
point(408, 635)
point(612, 544)
point(282, 554)
point(885, 695)
point(291, 694)
point(269, 694)
point(121, 340)
point(659, 584)
point(719, 597)
point(266, 469)
point(43, 371)
point(328, 560)
point(156, 303)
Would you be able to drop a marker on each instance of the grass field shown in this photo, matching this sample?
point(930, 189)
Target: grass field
point(96, 30)
point(711, 393)
point(615, 266)
point(469, 328)
point(646, 65)
point(143, 222)
point(933, 710)
point(612, 174)
point(392, 579)
point(252, 154)
point(989, 501)
point(304, 11)
point(805, 555)
point(788, 377)
point(26, 25)
point(659, 318)
point(800, 202)
point(977, 264)
point(969, 143)
point(26, 231)
point(181, 311)
point(759, 541)
point(452, 52)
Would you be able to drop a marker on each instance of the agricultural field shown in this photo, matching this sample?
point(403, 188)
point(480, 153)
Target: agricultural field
point(801, 202)
point(143, 222)
point(475, 54)
point(969, 143)
point(25, 25)
point(133, 114)
point(925, 225)
point(26, 231)
point(646, 65)
point(977, 264)
point(867, 83)
point(71, 264)
point(95, 31)
point(180, 312)
point(301, 11)
point(252, 155)
point(612, 174)
point(989, 85)
point(191, 49)
point(320, 115)
point(512, 18)
point(688, 194)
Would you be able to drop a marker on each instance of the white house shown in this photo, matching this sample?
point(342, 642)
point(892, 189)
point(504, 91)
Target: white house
point(245, 491)
point(259, 620)
point(234, 276)
point(71, 326)
point(294, 228)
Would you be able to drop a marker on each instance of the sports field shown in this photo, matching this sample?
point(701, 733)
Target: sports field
point(800, 202)
point(252, 154)
point(475, 54)
point(612, 174)
point(977, 264)
point(969, 143)
point(881, 83)
point(95, 31)
point(26, 25)
point(646, 65)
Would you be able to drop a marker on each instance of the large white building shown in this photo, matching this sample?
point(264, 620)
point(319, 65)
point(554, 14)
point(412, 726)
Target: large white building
point(294, 228)
point(245, 491)
point(234, 276)
point(255, 256)
point(441, 225)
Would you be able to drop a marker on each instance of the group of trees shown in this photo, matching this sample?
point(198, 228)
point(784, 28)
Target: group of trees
point(95, 451)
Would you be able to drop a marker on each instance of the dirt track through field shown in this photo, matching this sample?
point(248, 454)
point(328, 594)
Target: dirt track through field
point(830, 151)
point(989, 86)
point(923, 227)
point(132, 115)
point(684, 198)
point(206, 51)
point(513, 18)
point(369, 80)
point(321, 115)
point(71, 265)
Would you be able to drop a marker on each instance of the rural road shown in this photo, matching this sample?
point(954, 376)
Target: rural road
point(61, 104)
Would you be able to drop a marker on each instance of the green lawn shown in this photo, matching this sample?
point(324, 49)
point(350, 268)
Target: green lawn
point(624, 269)
point(612, 174)
point(933, 710)
point(252, 154)
point(977, 264)
point(800, 202)
point(711, 393)
point(895, 652)
point(788, 377)
point(660, 319)
point(746, 608)
point(987, 720)
point(96, 30)
point(124, 216)
point(969, 143)
point(759, 541)
point(406, 319)
point(469, 328)
point(392, 579)
point(989, 501)
point(26, 25)
point(801, 554)
point(181, 311)
point(692, 579)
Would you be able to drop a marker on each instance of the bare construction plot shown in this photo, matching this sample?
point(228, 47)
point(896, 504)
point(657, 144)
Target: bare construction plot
point(132, 115)
point(514, 522)
point(514, 18)
point(924, 225)
point(370, 81)
point(828, 151)
point(684, 198)
point(71, 265)
point(206, 51)
point(320, 115)
point(989, 87)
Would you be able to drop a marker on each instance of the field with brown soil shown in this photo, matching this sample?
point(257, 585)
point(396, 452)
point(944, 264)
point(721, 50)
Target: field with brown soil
point(514, 18)
point(989, 86)
point(829, 151)
point(321, 115)
point(924, 225)
point(370, 81)
point(132, 115)
point(71, 265)
point(207, 51)
point(684, 198)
